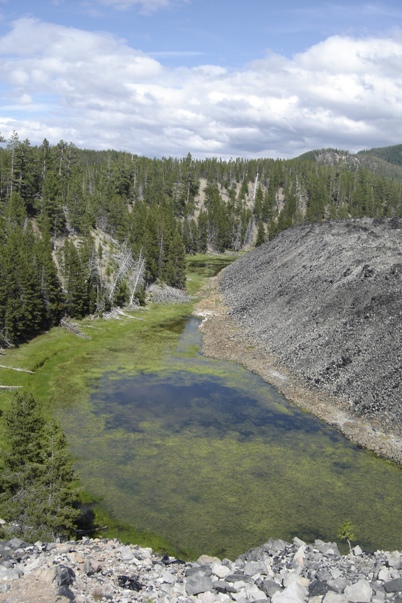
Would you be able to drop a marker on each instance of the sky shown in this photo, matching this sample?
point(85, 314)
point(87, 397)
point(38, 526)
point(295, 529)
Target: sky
point(216, 78)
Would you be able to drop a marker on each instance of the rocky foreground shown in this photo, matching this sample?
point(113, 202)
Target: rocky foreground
point(326, 301)
point(106, 570)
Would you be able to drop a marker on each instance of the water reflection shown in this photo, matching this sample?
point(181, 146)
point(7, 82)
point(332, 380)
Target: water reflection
point(208, 455)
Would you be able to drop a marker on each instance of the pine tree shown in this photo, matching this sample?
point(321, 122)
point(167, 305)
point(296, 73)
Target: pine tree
point(75, 281)
point(26, 175)
point(176, 266)
point(15, 213)
point(261, 236)
point(37, 484)
point(52, 294)
point(258, 204)
point(202, 239)
point(50, 204)
point(151, 247)
point(55, 490)
point(23, 311)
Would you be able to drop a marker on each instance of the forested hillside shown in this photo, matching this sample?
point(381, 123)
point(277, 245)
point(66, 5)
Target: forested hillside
point(82, 231)
point(384, 162)
point(390, 154)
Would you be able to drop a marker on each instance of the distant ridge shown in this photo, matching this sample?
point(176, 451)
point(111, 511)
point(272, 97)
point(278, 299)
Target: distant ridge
point(383, 161)
point(390, 154)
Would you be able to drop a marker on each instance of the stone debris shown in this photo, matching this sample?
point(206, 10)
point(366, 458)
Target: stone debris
point(279, 572)
point(326, 300)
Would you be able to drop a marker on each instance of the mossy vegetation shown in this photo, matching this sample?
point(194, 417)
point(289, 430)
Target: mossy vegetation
point(65, 365)
point(65, 368)
point(218, 463)
point(190, 455)
point(201, 266)
point(95, 521)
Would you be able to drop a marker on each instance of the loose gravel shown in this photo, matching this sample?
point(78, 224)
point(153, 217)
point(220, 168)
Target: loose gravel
point(326, 300)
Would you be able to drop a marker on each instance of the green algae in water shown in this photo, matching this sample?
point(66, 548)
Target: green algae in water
point(210, 457)
point(209, 265)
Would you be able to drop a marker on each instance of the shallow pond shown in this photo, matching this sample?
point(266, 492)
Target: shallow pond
point(215, 460)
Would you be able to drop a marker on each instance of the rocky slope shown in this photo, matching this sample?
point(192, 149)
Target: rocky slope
point(106, 570)
point(326, 299)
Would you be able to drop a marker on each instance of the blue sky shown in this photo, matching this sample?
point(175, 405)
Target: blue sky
point(226, 78)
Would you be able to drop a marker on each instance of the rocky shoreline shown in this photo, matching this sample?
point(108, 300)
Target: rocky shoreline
point(245, 323)
point(107, 570)
point(224, 338)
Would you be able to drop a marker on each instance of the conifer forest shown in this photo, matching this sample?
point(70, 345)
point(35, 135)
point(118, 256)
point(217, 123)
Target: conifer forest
point(82, 231)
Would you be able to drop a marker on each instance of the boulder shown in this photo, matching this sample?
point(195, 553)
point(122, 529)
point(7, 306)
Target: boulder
point(318, 588)
point(198, 583)
point(255, 567)
point(220, 570)
point(295, 593)
point(126, 553)
point(394, 559)
point(360, 592)
point(270, 587)
point(394, 586)
point(64, 576)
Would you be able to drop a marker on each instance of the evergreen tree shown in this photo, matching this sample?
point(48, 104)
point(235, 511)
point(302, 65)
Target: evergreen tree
point(76, 275)
point(176, 265)
point(23, 312)
point(37, 483)
point(261, 236)
point(189, 234)
point(258, 204)
point(202, 239)
point(26, 176)
point(49, 205)
point(15, 212)
point(151, 248)
point(51, 291)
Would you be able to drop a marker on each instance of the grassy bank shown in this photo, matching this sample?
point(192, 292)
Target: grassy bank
point(65, 367)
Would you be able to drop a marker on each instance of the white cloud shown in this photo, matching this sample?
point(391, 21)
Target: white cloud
point(96, 91)
point(25, 99)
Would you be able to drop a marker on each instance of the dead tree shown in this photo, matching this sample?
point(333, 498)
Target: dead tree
point(255, 187)
point(137, 277)
point(125, 263)
point(12, 368)
point(10, 387)
point(72, 327)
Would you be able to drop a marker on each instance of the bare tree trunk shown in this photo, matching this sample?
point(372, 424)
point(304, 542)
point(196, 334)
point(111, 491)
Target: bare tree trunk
point(12, 368)
point(125, 262)
point(138, 276)
point(255, 187)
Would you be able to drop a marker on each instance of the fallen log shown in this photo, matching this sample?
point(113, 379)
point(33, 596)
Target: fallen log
point(72, 327)
point(116, 313)
point(10, 386)
point(128, 315)
point(13, 368)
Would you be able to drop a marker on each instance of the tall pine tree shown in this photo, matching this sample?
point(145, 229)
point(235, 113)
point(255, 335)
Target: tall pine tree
point(38, 492)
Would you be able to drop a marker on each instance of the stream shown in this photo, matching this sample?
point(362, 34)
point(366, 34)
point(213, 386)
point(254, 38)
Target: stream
point(216, 461)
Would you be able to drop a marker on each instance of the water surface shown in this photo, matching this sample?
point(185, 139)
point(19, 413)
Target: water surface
point(206, 454)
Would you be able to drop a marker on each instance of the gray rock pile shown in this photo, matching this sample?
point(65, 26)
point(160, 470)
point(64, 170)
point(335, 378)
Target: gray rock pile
point(326, 299)
point(106, 570)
